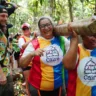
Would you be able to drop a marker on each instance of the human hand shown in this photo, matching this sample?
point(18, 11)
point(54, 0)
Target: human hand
point(3, 79)
point(73, 34)
point(38, 52)
point(13, 4)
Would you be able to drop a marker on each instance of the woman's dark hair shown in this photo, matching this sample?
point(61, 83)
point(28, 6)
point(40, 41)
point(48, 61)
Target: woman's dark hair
point(18, 34)
point(44, 17)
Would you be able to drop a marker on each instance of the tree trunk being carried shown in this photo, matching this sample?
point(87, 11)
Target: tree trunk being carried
point(81, 27)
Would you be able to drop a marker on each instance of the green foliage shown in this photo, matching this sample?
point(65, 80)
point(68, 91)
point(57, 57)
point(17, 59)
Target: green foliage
point(84, 0)
point(30, 10)
point(41, 2)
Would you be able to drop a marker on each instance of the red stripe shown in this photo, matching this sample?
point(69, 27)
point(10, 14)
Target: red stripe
point(22, 49)
point(35, 72)
point(72, 77)
point(71, 89)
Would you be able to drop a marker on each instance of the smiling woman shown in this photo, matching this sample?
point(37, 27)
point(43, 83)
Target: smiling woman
point(46, 27)
point(46, 53)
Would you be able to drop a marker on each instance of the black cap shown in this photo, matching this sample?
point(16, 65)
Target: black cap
point(3, 9)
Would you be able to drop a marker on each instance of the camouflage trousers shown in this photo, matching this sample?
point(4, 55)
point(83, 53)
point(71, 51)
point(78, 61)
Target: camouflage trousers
point(7, 89)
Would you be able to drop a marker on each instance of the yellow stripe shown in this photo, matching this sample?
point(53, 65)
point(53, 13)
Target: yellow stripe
point(47, 71)
point(80, 87)
point(86, 89)
point(83, 51)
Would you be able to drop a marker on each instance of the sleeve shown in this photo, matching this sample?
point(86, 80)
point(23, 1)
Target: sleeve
point(67, 43)
point(21, 42)
point(28, 49)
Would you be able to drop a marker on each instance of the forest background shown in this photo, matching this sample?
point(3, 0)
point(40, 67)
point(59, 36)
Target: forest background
point(61, 11)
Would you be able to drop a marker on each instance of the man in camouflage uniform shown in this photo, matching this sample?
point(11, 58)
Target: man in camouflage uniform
point(6, 83)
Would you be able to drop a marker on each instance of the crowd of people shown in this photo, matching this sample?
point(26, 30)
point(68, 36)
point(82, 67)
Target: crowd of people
point(52, 65)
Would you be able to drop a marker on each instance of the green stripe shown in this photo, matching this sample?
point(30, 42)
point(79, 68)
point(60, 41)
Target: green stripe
point(62, 45)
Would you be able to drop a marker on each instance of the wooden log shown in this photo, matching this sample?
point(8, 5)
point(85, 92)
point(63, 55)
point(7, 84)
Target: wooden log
point(81, 27)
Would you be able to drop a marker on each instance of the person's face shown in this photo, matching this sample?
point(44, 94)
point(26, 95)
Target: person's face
point(18, 37)
point(89, 42)
point(46, 29)
point(3, 18)
point(26, 31)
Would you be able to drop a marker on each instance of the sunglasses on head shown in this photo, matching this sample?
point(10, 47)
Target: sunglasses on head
point(25, 28)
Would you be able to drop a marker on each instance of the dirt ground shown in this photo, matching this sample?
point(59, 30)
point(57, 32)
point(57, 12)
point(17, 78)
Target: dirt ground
point(19, 87)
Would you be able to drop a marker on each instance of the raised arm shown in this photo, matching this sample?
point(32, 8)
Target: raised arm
point(70, 57)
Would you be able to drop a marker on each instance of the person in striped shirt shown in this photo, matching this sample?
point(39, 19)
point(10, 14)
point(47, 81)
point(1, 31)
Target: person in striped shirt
point(46, 53)
point(81, 81)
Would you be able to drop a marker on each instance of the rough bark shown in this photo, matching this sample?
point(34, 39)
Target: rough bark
point(81, 27)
